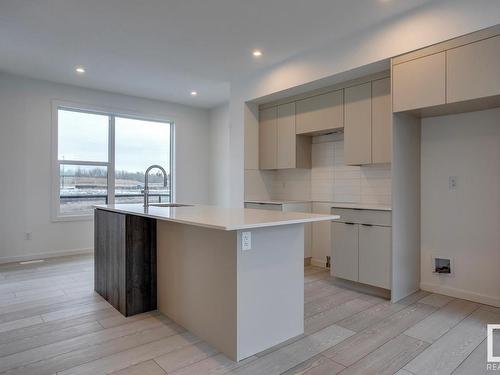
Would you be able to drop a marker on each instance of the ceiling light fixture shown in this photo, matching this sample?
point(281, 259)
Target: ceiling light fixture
point(80, 70)
point(194, 93)
point(257, 53)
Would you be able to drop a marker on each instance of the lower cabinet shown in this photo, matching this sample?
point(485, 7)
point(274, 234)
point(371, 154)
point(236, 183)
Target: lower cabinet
point(125, 261)
point(345, 250)
point(375, 255)
point(361, 249)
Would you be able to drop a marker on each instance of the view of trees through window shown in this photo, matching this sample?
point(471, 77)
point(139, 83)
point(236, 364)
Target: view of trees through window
point(87, 173)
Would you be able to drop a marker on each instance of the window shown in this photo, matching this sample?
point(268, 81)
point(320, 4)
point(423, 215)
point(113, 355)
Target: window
point(102, 158)
point(139, 144)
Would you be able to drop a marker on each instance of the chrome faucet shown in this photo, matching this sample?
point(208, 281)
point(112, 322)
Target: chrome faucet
point(146, 182)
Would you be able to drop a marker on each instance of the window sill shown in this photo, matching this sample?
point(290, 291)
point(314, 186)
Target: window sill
point(63, 218)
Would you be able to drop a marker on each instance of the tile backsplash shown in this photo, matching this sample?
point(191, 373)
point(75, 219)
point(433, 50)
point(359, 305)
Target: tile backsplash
point(329, 179)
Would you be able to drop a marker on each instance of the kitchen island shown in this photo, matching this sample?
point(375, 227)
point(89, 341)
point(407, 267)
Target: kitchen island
point(232, 276)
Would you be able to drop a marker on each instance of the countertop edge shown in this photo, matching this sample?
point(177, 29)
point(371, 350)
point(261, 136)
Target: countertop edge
point(346, 205)
point(225, 228)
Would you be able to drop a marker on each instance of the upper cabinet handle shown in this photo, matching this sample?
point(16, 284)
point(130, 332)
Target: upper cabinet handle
point(368, 225)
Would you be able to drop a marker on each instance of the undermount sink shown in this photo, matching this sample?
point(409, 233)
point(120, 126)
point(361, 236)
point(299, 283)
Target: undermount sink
point(170, 205)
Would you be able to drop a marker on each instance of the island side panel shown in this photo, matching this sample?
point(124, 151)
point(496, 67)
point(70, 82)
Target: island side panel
point(270, 288)
point(109, 258)
point(140, 264)
point(196, 281)
point(125, 261)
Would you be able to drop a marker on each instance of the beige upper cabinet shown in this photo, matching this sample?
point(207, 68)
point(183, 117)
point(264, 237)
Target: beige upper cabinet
point(358, 124)
point(473, 70)
point(365, 109)
point(419, 83)
point(293, 151)
point(268, 138)
point(251, 117)
point(286, 136)
point(279, 146)
point(320, 113)
point(381, 121)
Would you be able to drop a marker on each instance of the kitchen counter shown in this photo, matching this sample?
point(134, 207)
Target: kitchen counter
point(218, 217)
point(353, 205)
point(276, 201)
point(232, 276)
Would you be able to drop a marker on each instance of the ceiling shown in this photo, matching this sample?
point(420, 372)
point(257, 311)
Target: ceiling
point(164, 49)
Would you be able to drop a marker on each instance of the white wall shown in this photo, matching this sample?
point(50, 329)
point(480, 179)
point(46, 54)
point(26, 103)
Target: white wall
point(429, 24)
point(463, 224)
point(219, 155)
point(25, 162)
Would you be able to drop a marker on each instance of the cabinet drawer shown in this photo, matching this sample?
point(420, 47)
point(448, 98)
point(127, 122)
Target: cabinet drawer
point(361, 216)
point(265, 206)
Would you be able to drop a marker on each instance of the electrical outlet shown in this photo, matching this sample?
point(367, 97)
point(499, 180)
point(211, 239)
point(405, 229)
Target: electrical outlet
point(27, 236)
point(246, 241)
point(452, 183)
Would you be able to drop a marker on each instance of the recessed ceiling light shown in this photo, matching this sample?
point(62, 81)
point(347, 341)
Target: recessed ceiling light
point(194, 93)
point(257, 53)
point(80, 69)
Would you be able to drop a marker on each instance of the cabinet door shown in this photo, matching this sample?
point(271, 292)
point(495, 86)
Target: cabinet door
point(321, 244)
point(419, 83)
point(286, 154)
point(320, 113)
point(307, 240)
point(358, 125)
point(345, 250)
point(267, 138)
point(251, 118)
point(473, 70)
point(302, 207)
point(381, 121)
point(375, 255)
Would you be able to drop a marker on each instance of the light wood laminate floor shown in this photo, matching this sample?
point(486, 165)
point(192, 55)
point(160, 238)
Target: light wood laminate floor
point(52, 322)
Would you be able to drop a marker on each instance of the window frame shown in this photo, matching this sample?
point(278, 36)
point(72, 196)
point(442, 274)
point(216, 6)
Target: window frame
point(111, 113)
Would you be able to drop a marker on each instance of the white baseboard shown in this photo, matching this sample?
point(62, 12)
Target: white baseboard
point(459, 293)
point(318, 262)
point(27, 257)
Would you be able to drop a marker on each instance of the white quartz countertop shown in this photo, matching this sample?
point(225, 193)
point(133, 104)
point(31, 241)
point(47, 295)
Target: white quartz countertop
point(359, 206)
point(276, 202)
point(219, 217)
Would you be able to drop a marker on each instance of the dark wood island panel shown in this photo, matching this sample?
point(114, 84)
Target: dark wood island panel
point(125, 261)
